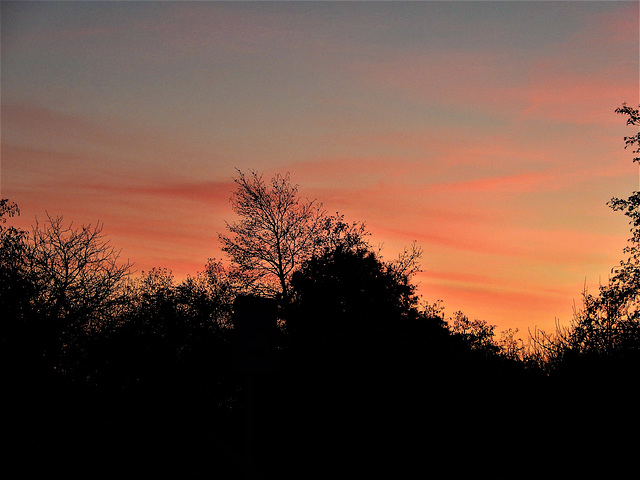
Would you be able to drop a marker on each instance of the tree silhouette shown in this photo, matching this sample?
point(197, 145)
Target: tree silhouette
point(58, 284)
point(77, 272)
point(609, 324)
point(605, 331)
point(337, 234)
point(166, 333)
point(476, 333)
point(20, 339)
point(347, 298)
point(15, 290)
point(276, 233)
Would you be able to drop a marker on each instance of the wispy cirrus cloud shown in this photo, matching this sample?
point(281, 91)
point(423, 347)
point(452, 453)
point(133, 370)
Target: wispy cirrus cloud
point(576, 79)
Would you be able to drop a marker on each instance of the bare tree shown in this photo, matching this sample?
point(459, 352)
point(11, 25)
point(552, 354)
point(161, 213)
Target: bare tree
point(76, 272)
point(277, 231)
point(408, 262)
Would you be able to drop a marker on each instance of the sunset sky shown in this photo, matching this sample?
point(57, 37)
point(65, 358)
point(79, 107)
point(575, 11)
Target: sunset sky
point(485, 131)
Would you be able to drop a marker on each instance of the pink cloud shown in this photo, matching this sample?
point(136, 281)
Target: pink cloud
point(524, 182)
point(579, 81)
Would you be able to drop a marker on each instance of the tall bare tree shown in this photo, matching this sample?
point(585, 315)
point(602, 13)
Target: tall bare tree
point(277, 231)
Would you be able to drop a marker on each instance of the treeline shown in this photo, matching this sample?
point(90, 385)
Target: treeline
point(306, 354)
point(74, 313)
point(105, 370)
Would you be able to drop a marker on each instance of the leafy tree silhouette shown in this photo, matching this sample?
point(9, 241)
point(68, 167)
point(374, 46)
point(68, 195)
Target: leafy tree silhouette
point(348, 295)
point(18, 333)
point(167, 336)
point(365, 365)
point(13, 265)
point(603, 338)
point(476, 333)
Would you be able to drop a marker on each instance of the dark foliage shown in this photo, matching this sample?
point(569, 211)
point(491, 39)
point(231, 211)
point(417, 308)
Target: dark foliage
point(347, 293)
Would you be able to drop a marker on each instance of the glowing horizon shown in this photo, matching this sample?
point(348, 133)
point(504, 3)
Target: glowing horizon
point(485, 131)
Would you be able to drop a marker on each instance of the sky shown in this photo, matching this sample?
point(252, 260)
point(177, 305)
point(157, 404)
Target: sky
point(484, 131)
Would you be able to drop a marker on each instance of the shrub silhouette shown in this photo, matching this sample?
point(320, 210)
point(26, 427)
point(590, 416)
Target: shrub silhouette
point(348, 294)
